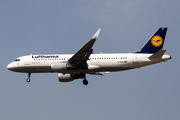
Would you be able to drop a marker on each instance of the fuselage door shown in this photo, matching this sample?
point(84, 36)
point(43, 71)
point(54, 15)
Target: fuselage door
point(135, 58)
point(27, 60)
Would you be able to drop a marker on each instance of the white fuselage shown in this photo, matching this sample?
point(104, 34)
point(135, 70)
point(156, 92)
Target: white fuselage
point(74, 66)
point(96, 63)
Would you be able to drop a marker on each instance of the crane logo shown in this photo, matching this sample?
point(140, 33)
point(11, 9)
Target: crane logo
point(156, 41)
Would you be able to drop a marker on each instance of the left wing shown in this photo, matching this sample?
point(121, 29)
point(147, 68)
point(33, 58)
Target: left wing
point(79, 59)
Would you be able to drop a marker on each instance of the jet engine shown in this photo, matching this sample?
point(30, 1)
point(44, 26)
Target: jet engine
point(59, 67)
point(65, 77)
point(69, 77)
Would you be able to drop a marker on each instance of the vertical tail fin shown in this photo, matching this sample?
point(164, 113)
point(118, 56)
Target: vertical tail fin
point(155, 43)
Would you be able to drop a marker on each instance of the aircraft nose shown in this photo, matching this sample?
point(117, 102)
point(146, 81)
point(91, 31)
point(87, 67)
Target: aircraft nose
point(10, 66)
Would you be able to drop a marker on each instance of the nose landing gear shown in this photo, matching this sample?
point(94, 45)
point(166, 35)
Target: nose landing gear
point(28, 79)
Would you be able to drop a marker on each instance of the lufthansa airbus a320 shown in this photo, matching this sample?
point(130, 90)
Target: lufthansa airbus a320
point(75, 66)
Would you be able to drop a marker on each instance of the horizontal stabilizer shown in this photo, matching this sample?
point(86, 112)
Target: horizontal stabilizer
point(158, 54)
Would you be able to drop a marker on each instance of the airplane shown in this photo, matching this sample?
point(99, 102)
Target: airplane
point(75, 66)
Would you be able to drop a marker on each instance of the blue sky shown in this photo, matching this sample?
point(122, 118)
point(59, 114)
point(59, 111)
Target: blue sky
point(61, 26)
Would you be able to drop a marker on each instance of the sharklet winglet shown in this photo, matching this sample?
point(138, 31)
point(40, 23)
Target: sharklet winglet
point(96, 34)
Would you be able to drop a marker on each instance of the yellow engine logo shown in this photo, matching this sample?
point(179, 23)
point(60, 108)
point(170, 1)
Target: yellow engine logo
point(156, 41)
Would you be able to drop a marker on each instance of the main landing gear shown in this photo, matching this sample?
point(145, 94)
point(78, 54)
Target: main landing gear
point(85, 82)
point(28, 79)
point(82, 76)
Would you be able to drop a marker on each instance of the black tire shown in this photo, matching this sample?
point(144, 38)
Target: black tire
point(85, 82)
point(28, 80)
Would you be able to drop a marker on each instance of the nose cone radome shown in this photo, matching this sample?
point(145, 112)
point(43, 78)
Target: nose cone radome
point(10, 67)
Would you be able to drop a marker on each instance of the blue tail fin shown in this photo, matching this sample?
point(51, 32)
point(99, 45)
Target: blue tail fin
point(155, 43)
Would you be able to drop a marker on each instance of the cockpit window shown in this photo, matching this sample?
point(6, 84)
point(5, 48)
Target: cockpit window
point(17, 60)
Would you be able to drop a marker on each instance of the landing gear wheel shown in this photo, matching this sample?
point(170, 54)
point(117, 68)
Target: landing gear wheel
point(28, 80)
point(85, 82)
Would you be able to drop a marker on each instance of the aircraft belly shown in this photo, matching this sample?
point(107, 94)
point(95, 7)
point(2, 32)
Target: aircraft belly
point(113, 65)
point(33, 69)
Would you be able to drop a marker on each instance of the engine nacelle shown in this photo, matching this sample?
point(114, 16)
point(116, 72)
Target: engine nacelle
point(65, 77)
point(59, 67)
point(69, 77)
